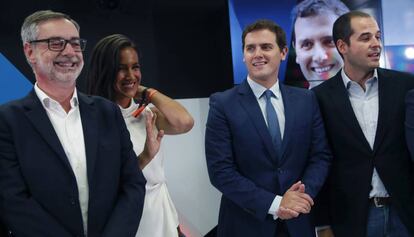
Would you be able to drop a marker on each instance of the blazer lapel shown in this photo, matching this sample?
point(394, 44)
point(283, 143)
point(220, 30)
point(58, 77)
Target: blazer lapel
point(90, 122)
point(288, 104)
point(340, 99)
point(386, 89)
point(252, 108)
point(36, 114)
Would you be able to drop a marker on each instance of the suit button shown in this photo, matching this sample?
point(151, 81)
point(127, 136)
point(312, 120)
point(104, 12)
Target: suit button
point(72, 202)
point(280, 170)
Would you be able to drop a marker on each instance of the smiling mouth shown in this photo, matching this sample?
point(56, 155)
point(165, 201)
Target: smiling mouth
point(67, 65)
point(259, 64)
point(374, 55)
point(322, 69)
point(129, 84)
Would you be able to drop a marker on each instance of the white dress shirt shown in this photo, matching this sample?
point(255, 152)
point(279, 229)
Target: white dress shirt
point(68, 127)
point(365, 105)
point(277, 103)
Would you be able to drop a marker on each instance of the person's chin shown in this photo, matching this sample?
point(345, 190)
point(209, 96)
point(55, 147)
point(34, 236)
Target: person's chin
point(65, 77)
point(315, 77)
point(259, 75)
point(374, 64)
point(329, 74)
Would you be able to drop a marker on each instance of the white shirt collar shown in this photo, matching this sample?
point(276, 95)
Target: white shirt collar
point(258, 89)
point(47, 101)
point(347, 81)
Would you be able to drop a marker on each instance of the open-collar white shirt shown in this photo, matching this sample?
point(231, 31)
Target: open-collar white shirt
point(365, 104)
point(68, 128)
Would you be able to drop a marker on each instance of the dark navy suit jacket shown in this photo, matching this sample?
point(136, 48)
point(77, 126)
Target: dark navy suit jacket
point(38, 190)
point(244, 166)
point(349, 182)
point(409, 122)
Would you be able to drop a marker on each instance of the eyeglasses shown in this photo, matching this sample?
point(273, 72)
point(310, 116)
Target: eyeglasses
point(59, 44)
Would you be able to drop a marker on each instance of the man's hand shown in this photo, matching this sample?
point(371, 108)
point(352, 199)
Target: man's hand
point(286, 214)
point(294, 202)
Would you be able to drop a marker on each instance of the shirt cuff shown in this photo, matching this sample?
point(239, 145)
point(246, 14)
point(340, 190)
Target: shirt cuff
point(323, 227)
point(275, 207)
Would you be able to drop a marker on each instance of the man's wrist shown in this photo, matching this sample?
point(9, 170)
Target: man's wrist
point(274, 207)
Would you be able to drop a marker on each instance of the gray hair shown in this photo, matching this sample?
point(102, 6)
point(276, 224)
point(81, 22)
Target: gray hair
point(30, 30)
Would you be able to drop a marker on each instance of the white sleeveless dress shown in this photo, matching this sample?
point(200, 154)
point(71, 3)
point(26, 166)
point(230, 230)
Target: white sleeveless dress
point(159, 217)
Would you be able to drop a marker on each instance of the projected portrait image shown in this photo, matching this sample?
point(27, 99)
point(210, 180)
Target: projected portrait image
point(312, 41)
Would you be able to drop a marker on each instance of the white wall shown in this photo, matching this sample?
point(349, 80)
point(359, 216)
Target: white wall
point(398, 20)
point(196, 200)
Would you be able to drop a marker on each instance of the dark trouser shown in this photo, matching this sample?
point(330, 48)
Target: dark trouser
point(383, 221)
point(281, 230)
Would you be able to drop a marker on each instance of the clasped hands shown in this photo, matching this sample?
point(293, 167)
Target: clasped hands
point(294, 202)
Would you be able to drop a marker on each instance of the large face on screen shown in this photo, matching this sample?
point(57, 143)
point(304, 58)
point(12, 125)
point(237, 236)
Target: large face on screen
point(316, 53)
point(262, 56)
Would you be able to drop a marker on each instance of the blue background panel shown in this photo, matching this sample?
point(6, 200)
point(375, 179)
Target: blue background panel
point(13, 84)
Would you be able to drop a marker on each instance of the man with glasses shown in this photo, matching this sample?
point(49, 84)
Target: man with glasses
point(67, 167)
point(59, 44)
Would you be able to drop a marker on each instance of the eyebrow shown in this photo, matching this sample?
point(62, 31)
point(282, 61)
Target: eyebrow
point(305, 40)
point(127, 64)
point(327, 37)
point(262, 44)
point(60, 37)
point(266, 44)
point(369, 33)
point(364, 34)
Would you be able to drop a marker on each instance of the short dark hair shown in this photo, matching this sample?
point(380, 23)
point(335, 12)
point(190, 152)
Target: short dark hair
point(104, 64)
point(30, 30)
point(342, 29)
point(309, 8)
point(265, 24)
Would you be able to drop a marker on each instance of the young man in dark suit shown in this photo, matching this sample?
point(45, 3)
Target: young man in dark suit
point(265, 145)
point(370, 188)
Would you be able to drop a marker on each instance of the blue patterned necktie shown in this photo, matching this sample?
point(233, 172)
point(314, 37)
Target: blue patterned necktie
point(272, 121)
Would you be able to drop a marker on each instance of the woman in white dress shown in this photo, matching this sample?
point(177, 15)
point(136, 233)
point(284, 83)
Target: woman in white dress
point(115, 74)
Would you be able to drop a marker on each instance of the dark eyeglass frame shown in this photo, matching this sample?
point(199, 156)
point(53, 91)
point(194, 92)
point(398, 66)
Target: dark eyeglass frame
point(74, 42)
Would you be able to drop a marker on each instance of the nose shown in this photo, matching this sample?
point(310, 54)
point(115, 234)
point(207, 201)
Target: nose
point(376, 43)
point(258, 53)
point(319, 53)
point(132, 74)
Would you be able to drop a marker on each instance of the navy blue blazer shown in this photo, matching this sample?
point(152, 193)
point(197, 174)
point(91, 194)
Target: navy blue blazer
point(349, 182)
point(38, 190)
point(409, 122)
point(243, 164)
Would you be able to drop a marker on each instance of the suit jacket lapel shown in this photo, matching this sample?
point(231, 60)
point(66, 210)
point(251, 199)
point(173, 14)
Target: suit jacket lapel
point(290, 116)
point(340, 98)
point(386, 89)
point(36, 114)
point(90, 121)
point(252, 108)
